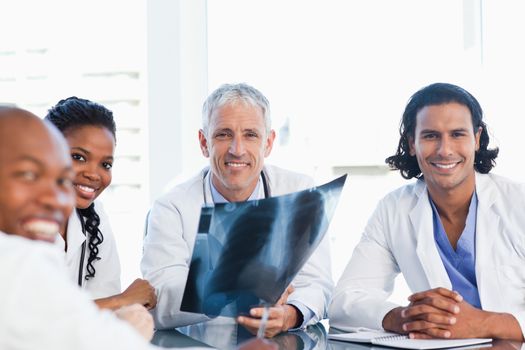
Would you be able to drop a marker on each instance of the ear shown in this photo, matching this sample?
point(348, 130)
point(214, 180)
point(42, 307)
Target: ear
point(269, 143)
point(203, 143)
point(411, 146)
point(478, 137)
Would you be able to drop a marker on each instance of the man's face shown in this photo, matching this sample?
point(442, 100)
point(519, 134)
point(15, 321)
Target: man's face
point(36, 191)
point(236, 143)
point(445, 146)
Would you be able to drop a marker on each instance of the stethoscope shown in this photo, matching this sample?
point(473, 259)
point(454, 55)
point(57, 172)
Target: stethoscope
point(83, 252)
point(205, 173)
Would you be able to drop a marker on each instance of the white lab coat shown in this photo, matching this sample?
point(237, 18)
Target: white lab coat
point(42, 309)
point(107, 276)
point(171, 233)
point(399, 237)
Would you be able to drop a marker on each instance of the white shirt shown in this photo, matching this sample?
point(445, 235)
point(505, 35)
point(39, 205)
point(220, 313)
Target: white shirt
point(107, 270)
point(41, 309)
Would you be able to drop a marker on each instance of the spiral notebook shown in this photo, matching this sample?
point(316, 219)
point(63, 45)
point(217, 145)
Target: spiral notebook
point(395, 340)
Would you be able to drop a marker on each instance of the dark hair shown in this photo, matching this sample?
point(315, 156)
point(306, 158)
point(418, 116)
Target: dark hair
point(437, 94)
point(67, 115)
point(93, 235)
point(74, 112)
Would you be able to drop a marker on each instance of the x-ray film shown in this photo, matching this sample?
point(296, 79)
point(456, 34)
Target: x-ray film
point(247, 253)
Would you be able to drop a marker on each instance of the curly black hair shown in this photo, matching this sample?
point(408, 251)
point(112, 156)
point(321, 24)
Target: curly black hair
point(67, 115)
point(74, 112)
point(437, 94)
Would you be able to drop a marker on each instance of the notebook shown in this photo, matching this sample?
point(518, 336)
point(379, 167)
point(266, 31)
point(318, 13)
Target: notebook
point(395, 340)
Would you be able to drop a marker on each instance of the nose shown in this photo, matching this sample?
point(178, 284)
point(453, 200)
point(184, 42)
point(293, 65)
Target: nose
point(91, 173)
point(237, 147)
point(445, 147)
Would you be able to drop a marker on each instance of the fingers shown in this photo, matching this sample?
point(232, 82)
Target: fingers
point(282, 300)
point(141, 292)
point(152, 298)
point(438, 291)
point(428, 313)
point(435, 300)
point(426, 327)
point(417, 335)
point(431, 333)
point(273, 312)
point(255, 323)
point(284, 297)
point(274, 325)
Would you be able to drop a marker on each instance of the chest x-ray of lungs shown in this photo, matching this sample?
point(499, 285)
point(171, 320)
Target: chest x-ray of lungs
point(247, 253)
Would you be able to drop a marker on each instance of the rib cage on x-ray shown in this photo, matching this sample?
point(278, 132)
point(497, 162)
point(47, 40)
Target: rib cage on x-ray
point(254, 249)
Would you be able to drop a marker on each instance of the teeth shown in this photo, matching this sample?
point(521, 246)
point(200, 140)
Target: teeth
point(86, 189)
point(48, 228)
point(236, 165)
point(445, 166)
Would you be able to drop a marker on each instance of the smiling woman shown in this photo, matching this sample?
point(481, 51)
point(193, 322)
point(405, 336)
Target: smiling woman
point(87, 239)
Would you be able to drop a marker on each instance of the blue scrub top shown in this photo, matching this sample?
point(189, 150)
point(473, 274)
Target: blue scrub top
point(460, 263)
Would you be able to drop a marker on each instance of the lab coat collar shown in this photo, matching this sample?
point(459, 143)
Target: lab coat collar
point(206, 178)
point(75, 237)
point(421, 219)
point(487, 227)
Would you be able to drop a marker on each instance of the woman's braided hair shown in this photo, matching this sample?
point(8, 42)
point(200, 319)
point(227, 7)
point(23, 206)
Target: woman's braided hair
point(93, 235)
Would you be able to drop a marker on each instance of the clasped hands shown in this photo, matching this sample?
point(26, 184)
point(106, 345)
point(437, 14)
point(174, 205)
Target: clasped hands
point(281, 317)
point(437, 313)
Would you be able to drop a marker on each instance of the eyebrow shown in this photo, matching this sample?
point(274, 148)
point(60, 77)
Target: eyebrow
point(243, 130)
point(28, 158)
point(40, 164)
point(429, 131)
point(87, 152)
point(81, 149)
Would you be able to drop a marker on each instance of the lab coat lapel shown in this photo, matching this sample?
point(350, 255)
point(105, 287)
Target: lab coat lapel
point(75, 238)
point(206, 176)
point(487, 222)
point(422, 224)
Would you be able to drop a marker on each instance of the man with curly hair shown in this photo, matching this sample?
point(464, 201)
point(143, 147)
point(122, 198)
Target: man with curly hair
point(456, 234)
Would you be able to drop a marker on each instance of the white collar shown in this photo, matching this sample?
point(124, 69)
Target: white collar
point(219, 198)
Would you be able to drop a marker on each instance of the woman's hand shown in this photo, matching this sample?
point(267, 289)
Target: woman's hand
point(139, 292)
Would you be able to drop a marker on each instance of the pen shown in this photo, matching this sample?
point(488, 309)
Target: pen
point(264, 321)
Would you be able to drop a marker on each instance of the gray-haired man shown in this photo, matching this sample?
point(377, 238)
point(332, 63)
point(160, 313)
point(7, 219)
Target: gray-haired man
point(236, 136)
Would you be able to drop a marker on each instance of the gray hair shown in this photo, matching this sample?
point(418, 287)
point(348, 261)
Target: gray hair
point(233, 93)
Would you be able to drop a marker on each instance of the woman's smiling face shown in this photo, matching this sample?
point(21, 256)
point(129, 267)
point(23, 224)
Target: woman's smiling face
point(92, 148)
